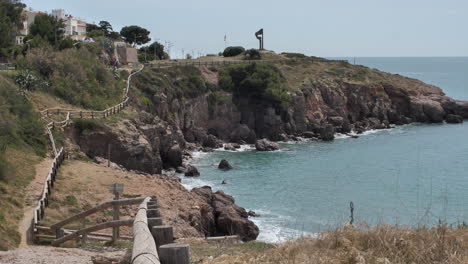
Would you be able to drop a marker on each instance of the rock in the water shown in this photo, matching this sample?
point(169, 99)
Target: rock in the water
point(266, 145)
point(174, 156)
point(454, 119)
point(225, 217)
point(180, 169)
point(253, 214)
point(236, 145)
point(308, 134)
point(327, 132)
point(229, 147)
point(211, 142)
point(192, 171)
point(224, 165)
point(224, 182)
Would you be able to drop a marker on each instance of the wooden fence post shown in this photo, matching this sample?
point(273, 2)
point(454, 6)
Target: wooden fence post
point(154, 221)
point(174, 254)
point(92, 114)
point(152, 213)
point(162, 235)
point(81, 114)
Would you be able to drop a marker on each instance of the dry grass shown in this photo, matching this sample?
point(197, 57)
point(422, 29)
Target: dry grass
point(379, 245)
point(12, 195)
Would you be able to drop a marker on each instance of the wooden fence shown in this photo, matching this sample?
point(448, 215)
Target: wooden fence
point(43, 202)
point(7, 67)
point(231, 62)
point(153, 242)
point(60, 155)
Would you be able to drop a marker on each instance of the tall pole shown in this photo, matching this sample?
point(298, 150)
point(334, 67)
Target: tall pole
point(115, 229)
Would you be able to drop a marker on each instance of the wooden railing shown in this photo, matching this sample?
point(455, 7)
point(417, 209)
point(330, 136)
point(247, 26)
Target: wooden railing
point(60, 155)
point(231, 62)
point(47, 190)
point(153, 242)
point(7, 67)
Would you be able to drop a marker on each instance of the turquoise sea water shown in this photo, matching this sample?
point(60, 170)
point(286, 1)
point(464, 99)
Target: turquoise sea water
point(409, 175)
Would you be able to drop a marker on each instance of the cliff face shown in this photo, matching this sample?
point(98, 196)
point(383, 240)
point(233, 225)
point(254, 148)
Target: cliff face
point(183, 107)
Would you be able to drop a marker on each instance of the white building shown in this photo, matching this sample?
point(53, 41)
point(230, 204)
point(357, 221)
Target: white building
point(74, 27)
point(28, 16)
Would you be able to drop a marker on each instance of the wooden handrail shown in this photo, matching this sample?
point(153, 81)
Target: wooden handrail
point(92, 229)
point(95, 209)
point(144, 247)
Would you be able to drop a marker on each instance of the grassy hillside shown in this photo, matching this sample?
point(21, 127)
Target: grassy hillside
point(80, 77)
point(22, 142)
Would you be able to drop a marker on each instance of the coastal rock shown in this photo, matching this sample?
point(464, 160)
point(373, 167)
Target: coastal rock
point(229, 147)
point(224, 165)
point(253, 214)
point(242, 133)
point(308, 134)
point(191, 171)
point(225, 217)
point(266, 145)
point(327, 133)
point(454, 119)
point(211, 142)
point(174, 156)
point(236, 145)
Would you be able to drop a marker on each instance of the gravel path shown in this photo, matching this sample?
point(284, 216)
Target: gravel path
point(51, 255)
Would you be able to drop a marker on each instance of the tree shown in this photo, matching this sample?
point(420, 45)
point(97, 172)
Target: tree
point(106, 27)
point(233, 51)
point(135, 35)
point(156, 50)
point(10, 21)
point(253, 54)
point(47, 27)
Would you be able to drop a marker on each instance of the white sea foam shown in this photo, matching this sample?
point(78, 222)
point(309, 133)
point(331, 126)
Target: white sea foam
point(274, 230)
point(193, 182)
point(243, 148)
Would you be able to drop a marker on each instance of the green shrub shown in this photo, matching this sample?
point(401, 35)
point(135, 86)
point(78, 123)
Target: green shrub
point(71, 200)
point(233, 51)
point(86, 125)
point(76, 75)
point(214, 100)
point(294, 55)
point(258, 82)
point(253, 54)
point(19, 124)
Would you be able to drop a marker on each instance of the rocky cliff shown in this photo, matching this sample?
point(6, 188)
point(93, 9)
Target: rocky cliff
point(183, 108)
point(179, 109)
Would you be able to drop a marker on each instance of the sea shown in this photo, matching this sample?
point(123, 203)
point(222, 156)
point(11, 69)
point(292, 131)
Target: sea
point(413, 175)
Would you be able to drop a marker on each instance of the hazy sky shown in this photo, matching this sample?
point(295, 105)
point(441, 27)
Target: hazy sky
point(327, 28)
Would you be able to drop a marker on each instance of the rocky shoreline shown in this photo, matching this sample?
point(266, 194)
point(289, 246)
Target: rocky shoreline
point(323, 101)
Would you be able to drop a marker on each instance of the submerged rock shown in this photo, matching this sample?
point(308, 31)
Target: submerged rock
point(266, 145)
point(192, 171)
point(454, 119)
point(229, 147)
point(224, 165)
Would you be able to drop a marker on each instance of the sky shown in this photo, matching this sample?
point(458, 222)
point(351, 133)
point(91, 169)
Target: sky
point(326, 28)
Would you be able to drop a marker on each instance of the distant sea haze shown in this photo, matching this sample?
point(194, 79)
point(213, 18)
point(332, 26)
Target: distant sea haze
point(409, 175)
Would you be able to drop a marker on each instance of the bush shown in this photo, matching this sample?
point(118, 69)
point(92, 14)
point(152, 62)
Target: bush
point(233, 51)
point(86, 125)
point(253, 54)
point(258, 82)
point(76, 75)
point(19, 124)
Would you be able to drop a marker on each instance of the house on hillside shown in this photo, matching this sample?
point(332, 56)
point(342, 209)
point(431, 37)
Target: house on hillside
point(75, 27)
point(28, 17)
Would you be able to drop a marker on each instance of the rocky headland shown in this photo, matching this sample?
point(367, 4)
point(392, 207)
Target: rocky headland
point(178, 110)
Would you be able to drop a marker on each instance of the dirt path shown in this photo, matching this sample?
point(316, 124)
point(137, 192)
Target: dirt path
point(33, 192)
point(51, 255)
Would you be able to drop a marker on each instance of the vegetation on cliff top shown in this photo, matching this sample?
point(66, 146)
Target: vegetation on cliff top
point(77, 76)
point(258, 82)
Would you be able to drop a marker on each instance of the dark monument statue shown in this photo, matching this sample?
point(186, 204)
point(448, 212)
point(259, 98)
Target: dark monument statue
point(259, 35)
